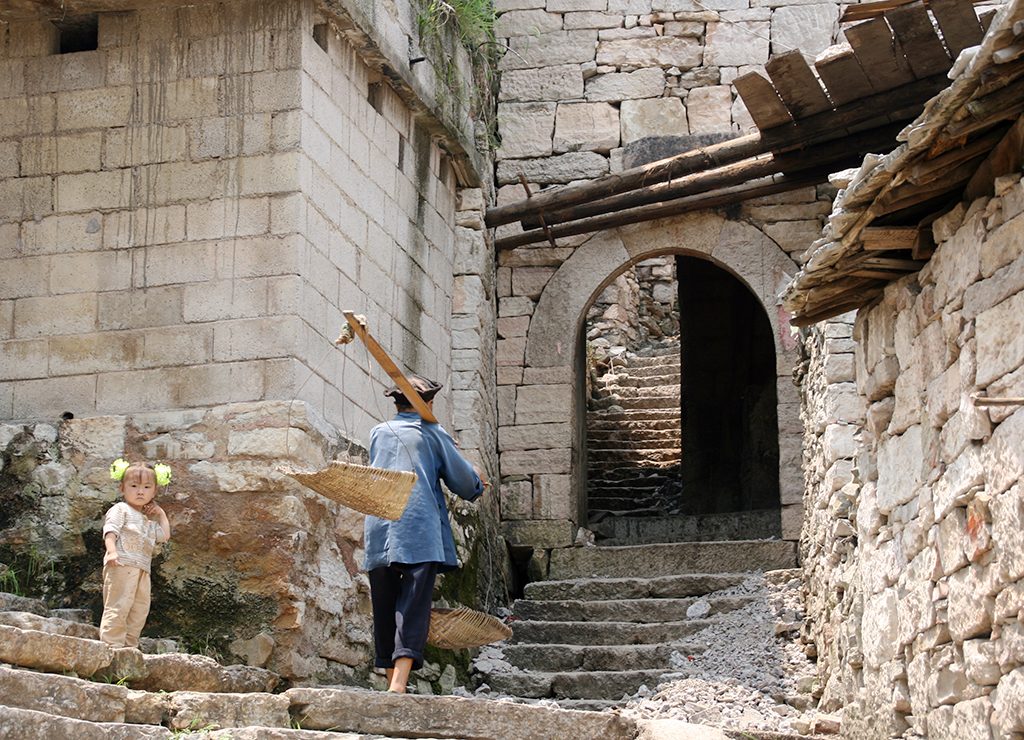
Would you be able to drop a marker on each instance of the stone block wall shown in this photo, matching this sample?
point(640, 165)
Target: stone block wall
point(590, 87)
point(924, 597)
point(184, 213)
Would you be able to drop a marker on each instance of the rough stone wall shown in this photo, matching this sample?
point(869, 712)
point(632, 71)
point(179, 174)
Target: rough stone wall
point(595, 86)
point(638, 308)
point(925, 595)
point(184, 213)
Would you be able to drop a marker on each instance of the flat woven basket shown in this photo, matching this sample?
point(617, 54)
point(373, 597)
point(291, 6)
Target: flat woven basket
point(454, 629)
point(374, 491)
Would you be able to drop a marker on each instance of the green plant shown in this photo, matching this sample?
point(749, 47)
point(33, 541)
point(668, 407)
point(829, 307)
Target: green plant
point(9, 580)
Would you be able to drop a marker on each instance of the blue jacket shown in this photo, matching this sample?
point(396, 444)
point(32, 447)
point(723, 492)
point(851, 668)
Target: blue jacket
point(423, 534)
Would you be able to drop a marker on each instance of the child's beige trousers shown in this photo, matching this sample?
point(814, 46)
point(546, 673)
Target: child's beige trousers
point(125, 605)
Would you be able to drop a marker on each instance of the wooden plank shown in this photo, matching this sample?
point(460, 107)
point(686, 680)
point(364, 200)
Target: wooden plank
point(891, 263)
point(843, 78)
point(385, 361)
point(762, 101)
point(884, 238)
point(959, 24)
point(863, 11)
point(879, 274)
point(954, 155)
point(797, 85)
point(921, 46)
point(1006, 157)
point(879, 54)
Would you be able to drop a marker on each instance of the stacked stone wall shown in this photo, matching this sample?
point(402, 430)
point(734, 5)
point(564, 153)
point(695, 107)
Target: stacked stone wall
point(590, 87)
point(919, 608)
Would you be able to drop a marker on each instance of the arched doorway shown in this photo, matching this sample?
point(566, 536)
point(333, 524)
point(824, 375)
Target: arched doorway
point(681, 432)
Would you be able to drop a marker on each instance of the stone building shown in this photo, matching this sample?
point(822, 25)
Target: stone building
point(190, 194)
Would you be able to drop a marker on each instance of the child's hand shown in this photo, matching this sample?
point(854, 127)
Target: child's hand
point(110, 559)
point(152, 509)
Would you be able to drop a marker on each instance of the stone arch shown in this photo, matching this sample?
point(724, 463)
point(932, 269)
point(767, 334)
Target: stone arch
point(549, 390)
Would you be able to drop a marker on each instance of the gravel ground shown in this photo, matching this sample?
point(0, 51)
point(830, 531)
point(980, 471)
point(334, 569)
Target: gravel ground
point(753, 675)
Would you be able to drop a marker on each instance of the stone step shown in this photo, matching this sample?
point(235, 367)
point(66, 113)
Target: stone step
point(740, 525)
point(15, 603)
point(600, 423)
point(60, 653)
point(605, 633)
point(354, 710)
point(632, 415)
point(670, 376)
point(27, 724)
point(53, 625)
point(81, 616)
point(640, 472)
point(632, 434)
point(620, 453)
point(557, 658)
point(681, 586)
point(576, 684)
point(672, 559)
point(646, 402)
point(62, 706)
point(626, 392)
point(633, 441)
point(641, 611)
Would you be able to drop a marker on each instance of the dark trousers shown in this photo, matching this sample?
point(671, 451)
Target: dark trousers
point(401, 595)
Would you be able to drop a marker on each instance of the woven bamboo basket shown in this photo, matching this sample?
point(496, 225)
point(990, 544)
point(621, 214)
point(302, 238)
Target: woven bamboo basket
point(373, 491)
point(454, 629)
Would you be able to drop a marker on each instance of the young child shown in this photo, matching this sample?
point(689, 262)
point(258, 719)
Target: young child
point(131, 530)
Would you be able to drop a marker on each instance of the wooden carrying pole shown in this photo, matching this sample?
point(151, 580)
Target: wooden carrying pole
point(382, 358)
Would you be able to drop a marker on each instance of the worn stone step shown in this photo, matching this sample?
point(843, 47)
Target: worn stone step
point(576, 684)
point(602, 459)
point(645, 611)
point(605, 633)
point(601, 423)
point(53, 625)
point(640, 433)
point(81, 616)
point(625, 392)
point(636, 415)
point(27, 724)
point(659, 402)
point(666, 376)
point(56, 653)
point(15, 603)
point(354, 710)
point(80, 699)
point(672, 559)
point(181, 671)
point(626, 530)
point(697, 584)
point(649, 441)
point(556, 658)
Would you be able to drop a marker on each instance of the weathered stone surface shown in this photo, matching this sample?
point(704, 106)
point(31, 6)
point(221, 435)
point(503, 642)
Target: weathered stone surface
point(1008, 703)
point(187, 710)
point(708, 109)
point(548, 83)
point(29, 621)
point(526, 23)
point(652, 117)
point(516, 500)
point(63, 695)
point(642, 83)
point(586, 127)
point(528, 462)
point(1000, 339)
point(963, 719)
point(381, 713)
point(534, 436)
point(55, 653)
point(540, 404)
point(550, 49)
point(540, 533)
point(971, 604)
point(1007, 524)
point(552, 497)
point(899, 469)
point(181, 671)
point(736, 44)
point(809, 28)
point(559, 169)
point(669, 559)
point(660, 51)
point(525, 129)
point(28, 724)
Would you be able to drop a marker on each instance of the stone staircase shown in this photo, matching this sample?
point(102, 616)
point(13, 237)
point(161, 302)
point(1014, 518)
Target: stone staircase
point(58, 681)
point(609, 619)
point(634, 435)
